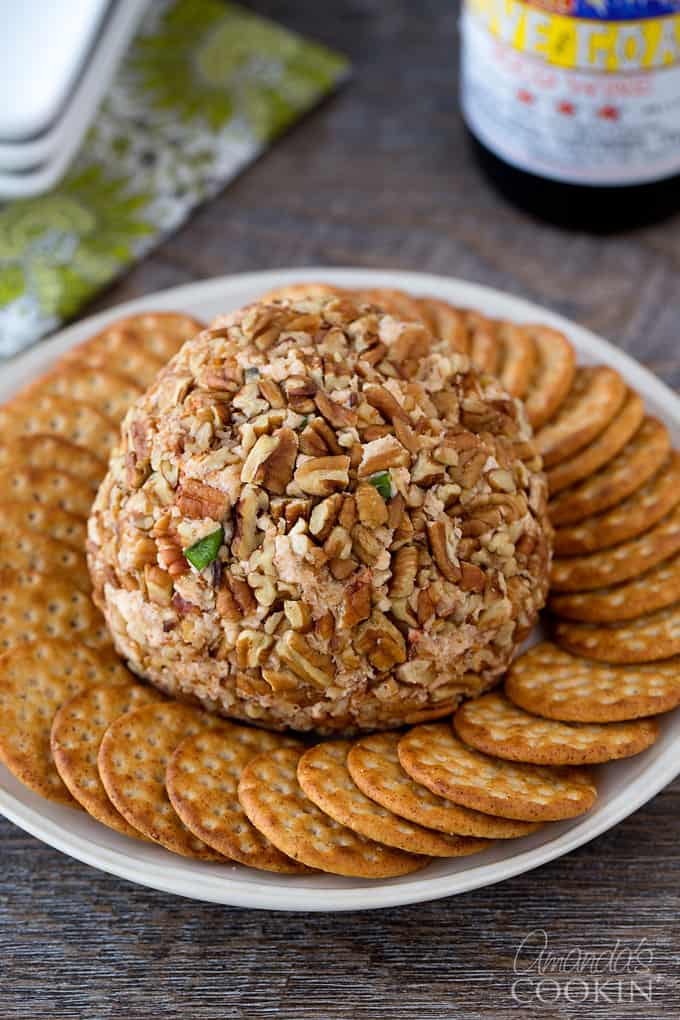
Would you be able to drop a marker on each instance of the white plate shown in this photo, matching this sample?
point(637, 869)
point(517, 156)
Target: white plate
point(624, 786)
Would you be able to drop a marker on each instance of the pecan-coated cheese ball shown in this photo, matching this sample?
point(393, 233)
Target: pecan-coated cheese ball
point(321, 517)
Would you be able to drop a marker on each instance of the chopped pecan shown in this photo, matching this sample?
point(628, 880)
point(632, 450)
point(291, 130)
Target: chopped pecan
point(348, 513)
point(442, 543)
point(158, 584)
point(324, 516)
point(338, 545)
point(386, 404)
point(275, 470)
point(312, 666)
point(318, 439)
point(381, 642)
point(341, 569)
point(323, 475)
point(365, 545)
point(300, 392)
point(171, 555)
point(271, 392)
point(472, 577)
point(252, 648)
point(356, 603)
point(246, 537)
point(382, 454)
point(196, 500)
point(299, 615)
point(335, 414)
point(370, 506)
point(404, 570)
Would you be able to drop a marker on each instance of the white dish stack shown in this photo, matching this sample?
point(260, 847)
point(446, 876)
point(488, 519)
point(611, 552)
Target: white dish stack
point(57, 58)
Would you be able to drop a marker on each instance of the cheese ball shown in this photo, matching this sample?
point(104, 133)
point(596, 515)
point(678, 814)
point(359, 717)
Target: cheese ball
point(321, 517)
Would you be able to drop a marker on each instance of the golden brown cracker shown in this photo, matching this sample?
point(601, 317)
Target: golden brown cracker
point(640, 458)
point(118, 349)
point(621, 562)
point(517, 357)
point(600, 450)
point(76, 733)
point(597, 393)
point(81, 424)
point(551, 682)
point(646, 639)
point(373, 763)
point(133, 755)
point(325, 779)
point(47, 486)
point(38, 607)
point(485, 347)
point(202, 782)
point(435, 757)
point(395, 302)
point(628, 519)
point(109, 391)
point(23, 549)
point(45, 451)
point(445, 322)
point(497, 727)
point(158, 334)
point(36, 681)
point(44, 520)
point(273, 800)
point(655, 589)
point(552, 376)
point(300, 291)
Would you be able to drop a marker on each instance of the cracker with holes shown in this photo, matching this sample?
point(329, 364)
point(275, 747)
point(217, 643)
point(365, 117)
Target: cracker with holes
point(35, 607)
point(655, 589)
point(36, 681)
point(46, 451)
point(275, 803)
point(645, 639)
point(517, 357)
point(133, 755)
point(46, 485)
point(554, 367)
point(446, 322)
point(640, 458)
point(22, 549)
point(551, 682)
point(629, 559)
point(76, 733)
point(324, 777)
point(484, 347)
point(600, 450)
point(496, 726)
point(435, 757)
point(118, 349)
point(630, 518)
point(373, 763)
point(597, 393)
point(41, 413)
point(202, 782)
point(111, 392)
point(159, 335)
point(37, 518)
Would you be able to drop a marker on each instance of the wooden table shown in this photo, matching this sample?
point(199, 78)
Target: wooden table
point(381, 177)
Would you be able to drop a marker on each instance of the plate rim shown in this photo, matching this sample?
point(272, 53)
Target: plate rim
point(172, 874)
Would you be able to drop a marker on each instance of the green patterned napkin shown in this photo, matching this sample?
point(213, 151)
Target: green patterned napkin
point(203, 90)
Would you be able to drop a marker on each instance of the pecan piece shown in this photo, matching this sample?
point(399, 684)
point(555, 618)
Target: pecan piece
point(370, 506)
point(323, 475)
point(442, 544)
point(472, 577)
point(246, 538)
point(318, 438)
point(356, 603)
point(386, 405)
point(324, 516)
point(404, 570)
point(381, 454)
point(312, 666)
point(335, 414)
point(381, 642)
point(196, 500)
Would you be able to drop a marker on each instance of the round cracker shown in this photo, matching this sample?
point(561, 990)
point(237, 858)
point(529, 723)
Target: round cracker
point(597, 393)
point(300, 291)
point(22, 549)
point(45, 451)
point(44, 520)
point(158, 334)
point(610, 566)
point(324, 777)
point(273, 800)
point(45, 485)
point(81, 424)
point(373, 763)
point(435, 757)
point(76, 733)
point(517, 357)
point(484, 345)
point(549, 681)
point(36, 681)
point(554, 368)
point(632, 517)
point(646, 639)
point(119, 350)
point(395, 302)
point(133, 755)
point(112, 392)
point(37, 607)
point(202, 782)
point(445, 322)
point(494, 725)
point(601, 450)
point(655, 589)
point(640, 458)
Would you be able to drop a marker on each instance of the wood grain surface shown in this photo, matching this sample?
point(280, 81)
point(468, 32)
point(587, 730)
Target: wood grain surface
point(380, 176)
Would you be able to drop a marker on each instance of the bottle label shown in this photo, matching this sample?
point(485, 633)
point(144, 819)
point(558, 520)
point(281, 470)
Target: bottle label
point(582, 91)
